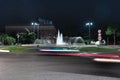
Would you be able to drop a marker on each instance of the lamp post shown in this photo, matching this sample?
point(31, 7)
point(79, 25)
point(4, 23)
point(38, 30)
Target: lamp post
point(89, 24)
point(18, 37)
point(37, 31)
point(34, 24)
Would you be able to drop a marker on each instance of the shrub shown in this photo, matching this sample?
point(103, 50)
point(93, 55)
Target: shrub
point(7, 40)
point(10, 40)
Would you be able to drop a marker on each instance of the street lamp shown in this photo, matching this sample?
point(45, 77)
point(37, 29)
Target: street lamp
point(34, 24)
point(18, 37)
point(89, 24)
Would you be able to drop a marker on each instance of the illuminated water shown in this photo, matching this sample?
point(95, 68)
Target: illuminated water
point(59, 40)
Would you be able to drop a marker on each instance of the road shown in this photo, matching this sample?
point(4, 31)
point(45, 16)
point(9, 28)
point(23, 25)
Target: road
point(29, 66)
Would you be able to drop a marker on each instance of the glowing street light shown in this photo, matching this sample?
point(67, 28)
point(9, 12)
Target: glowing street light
point(89, 24)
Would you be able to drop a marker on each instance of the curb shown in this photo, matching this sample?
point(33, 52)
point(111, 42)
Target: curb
point(4, 51)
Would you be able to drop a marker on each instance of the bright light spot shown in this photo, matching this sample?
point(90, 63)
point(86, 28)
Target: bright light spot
point(107, 60)
point(34, 23)
point(89, 24)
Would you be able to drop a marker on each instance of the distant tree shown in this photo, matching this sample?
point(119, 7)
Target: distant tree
point(30, 36)
point(2, 38)
point(21, 38)
point(7, 40)
point(10, 40)
point(112, 30)
point(26, 37)
point(108, 32)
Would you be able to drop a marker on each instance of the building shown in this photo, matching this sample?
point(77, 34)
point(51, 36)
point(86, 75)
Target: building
point(43, 31)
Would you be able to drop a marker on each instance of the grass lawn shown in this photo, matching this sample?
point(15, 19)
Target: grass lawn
point(97, 49)
point(83, 49)
point(19, 49)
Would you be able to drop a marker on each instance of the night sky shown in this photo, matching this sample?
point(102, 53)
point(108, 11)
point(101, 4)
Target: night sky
point(66, 14)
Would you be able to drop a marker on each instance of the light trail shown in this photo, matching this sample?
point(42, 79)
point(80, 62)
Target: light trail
point(107, 60)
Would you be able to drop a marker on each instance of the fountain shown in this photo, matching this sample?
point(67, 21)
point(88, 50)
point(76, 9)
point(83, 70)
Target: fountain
point(59, 40)
point(60, 46)
point(77, 41)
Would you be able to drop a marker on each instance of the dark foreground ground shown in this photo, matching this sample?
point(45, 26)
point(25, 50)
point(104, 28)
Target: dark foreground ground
point(29, 66)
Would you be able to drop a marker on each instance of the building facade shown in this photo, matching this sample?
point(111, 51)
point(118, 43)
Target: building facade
point(45, 31)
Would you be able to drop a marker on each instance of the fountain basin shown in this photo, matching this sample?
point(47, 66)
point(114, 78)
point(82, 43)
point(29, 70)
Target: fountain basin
point(58, 50)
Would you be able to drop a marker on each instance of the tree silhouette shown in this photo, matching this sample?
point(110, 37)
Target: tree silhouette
point(26, 37)
point(111, 30)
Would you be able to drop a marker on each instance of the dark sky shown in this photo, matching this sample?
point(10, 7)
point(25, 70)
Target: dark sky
point(64, 13)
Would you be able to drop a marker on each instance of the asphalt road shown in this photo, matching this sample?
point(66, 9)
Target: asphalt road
point(29, 66)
